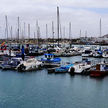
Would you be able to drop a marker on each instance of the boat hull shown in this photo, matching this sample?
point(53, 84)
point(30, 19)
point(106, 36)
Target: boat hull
point(97, 73)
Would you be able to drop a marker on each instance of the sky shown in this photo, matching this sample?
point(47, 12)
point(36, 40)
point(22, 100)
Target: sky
point(84, 15)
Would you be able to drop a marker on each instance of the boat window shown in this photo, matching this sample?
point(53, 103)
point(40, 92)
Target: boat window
point(48, 56)
point(106, 66)
point(45, 56)
point(87, 51)
point(30, 60)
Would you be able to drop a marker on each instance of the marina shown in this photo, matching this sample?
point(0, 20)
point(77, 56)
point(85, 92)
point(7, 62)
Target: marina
point(22, 61)
point(53, 54)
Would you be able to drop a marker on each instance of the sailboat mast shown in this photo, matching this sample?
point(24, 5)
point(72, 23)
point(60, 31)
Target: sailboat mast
point(11, 32)
point(28, 31)
point(80, 33)
point(70, 34)
point(6, 27)
point(24, 30)
point(60, 32)
point(34, 35)
point(53, 32)
point(47, 34)
point(37, 31)
point(58, 24)
point(69, 30)
point(18, 29)
point(100, 28)
point(86, 36)
point(64, 31)
point(10, 41)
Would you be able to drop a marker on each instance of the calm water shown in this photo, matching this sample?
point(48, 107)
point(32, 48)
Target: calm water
point(42, 90)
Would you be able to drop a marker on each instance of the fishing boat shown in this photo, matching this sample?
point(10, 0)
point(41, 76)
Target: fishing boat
point(30, 64)
point(11, 63)
point(99, 70)
point(49, 61)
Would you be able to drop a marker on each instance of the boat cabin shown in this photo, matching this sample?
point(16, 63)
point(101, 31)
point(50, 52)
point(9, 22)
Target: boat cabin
point(49, 56)
point(87, 52)
point(102, 67)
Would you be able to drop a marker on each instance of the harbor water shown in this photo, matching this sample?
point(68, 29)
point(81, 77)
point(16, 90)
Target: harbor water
point(39, 89)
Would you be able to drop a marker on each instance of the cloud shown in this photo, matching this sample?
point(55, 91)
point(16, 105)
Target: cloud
point(83, 14)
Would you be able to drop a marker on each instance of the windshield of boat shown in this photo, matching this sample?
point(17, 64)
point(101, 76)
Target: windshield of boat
point(87, 51)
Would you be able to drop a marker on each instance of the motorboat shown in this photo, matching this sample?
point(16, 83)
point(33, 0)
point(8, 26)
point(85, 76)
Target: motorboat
point(81, 67)
point(10, 63)
point(58, 51)
point(100, 70)
point(64, 68)
point(49, 61)
point(35, 51)
point(105, 53)
point(98, 53)
point(87, 53)
point(30, 64)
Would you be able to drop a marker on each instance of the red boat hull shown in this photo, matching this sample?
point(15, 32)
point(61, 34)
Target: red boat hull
point(97, 73)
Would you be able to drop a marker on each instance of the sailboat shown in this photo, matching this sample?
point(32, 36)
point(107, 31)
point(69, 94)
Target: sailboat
point(99, 52)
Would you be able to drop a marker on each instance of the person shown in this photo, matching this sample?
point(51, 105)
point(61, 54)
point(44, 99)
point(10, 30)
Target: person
point(22, 51)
